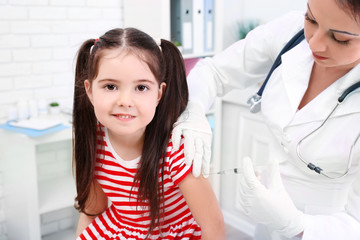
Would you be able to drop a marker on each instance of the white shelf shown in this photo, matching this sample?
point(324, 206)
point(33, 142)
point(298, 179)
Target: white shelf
point(56, 194)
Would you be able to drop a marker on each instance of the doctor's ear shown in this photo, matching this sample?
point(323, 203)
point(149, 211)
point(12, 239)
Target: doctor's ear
point(88, 90)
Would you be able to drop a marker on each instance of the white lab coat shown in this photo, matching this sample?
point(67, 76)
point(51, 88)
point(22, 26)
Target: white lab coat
point(331, 207)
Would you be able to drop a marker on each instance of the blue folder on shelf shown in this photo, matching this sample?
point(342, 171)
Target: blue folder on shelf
point(209, 25)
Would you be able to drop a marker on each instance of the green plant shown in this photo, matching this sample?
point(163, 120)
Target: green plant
point(54, 104)
point(177, 43)
point(245, 27)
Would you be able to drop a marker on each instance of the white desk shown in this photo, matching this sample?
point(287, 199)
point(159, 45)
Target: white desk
point(30, 189)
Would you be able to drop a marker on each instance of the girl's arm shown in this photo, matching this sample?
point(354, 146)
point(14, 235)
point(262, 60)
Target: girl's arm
point(96, 204)
point(204, 206)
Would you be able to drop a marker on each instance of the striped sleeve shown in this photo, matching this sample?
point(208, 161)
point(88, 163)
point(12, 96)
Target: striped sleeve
point(176, 163)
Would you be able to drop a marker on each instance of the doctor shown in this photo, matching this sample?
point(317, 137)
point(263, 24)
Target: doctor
point(297, 202)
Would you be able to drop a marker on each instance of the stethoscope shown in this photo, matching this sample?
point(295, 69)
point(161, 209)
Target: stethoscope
point(312, 166)
point(255, 106)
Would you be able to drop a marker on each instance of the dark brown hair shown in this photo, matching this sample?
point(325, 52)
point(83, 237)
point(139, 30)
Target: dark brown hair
point(351, 6)
point(167, 65)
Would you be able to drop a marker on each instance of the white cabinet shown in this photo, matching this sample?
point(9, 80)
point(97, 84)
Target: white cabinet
point(38, 185)
point(240, 133)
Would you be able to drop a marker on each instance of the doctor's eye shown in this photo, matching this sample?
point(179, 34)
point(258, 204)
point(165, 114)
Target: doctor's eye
point(110, 87)
point(346, 42)
point(309, 19)
point(141, 88)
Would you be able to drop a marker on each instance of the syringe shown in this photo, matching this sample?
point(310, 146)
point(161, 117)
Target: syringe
point(227, 171)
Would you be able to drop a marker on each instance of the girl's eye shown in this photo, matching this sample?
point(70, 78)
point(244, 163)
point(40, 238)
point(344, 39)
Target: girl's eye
point(346, 42)
point(307, 18)
point(110, 87)
point(141, 88)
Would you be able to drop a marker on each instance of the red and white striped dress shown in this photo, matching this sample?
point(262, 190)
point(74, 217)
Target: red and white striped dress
point(123, 220)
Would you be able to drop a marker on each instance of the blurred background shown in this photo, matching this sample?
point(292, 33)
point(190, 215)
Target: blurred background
point(39, 40)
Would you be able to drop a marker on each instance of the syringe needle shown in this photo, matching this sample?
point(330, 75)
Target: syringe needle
point(228, 171)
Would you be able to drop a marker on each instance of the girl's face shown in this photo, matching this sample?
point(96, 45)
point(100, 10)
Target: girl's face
point(333, 34)
point(125, 94)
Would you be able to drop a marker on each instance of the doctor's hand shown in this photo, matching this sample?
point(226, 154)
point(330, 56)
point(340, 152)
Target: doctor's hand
point(195, 128)
point(270, 205)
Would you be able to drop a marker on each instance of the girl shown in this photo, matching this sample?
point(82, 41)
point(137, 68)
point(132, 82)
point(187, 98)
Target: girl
point(129, 91)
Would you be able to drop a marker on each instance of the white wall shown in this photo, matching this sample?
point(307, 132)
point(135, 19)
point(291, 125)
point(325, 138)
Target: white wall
point(39, 40)
point(262, 10)
point(38, 44)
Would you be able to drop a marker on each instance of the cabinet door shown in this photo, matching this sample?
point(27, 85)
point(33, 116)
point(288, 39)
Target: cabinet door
point(242, 134)
point(30, 190)
point(17, 161)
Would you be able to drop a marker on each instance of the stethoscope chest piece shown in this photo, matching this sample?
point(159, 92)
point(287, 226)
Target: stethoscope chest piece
point(255, 103)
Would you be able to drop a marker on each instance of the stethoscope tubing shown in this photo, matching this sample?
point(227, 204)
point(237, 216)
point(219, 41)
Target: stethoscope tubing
point(312, 166)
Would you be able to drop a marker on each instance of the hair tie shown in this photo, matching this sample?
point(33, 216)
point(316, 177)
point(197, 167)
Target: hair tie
point(96, 41)
point(158, 42)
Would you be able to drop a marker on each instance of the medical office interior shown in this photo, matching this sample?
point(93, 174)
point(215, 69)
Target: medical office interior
point(38, 44)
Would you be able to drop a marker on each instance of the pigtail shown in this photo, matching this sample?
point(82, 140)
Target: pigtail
point(84, 128)
point(176, 94)
point(157, 134)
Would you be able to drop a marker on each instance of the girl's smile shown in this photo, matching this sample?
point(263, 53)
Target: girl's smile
point(124, 117)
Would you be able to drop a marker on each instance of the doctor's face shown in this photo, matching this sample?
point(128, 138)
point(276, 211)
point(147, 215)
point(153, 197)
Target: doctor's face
point(333, 34)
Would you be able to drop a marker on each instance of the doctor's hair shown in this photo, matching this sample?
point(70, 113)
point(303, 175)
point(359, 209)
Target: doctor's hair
point(167, 65)
point(352, 7)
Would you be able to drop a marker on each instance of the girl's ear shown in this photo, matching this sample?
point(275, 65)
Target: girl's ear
point(88, 90)
point(161, 90)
